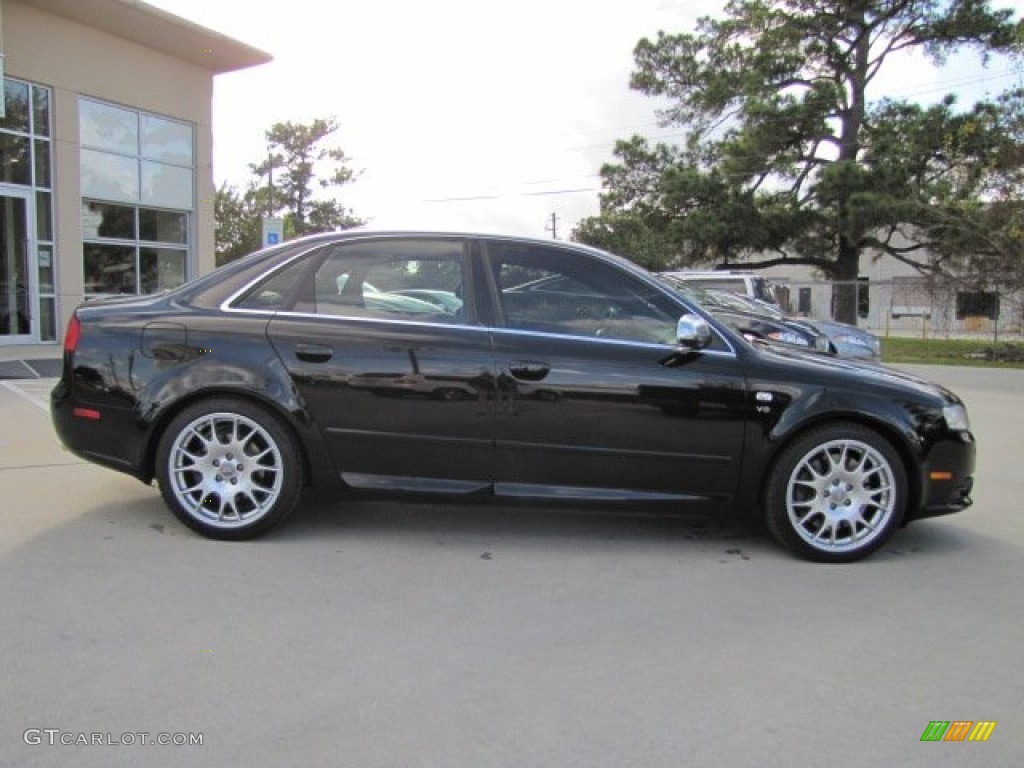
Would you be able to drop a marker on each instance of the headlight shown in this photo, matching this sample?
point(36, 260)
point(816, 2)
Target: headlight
point(956, 418)
point(788, 337)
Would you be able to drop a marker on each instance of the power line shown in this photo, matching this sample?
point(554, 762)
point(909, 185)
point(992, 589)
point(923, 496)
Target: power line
point(905, 94)
point(503, 195)
point(1007, 73)
point(544, 193)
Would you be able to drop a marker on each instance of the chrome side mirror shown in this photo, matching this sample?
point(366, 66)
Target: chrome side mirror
point(693, 332)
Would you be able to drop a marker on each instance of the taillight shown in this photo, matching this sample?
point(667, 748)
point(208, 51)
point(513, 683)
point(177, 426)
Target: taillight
point(71, 335)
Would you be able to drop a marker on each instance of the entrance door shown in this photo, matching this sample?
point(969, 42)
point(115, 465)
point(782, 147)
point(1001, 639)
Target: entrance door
point(16, 283)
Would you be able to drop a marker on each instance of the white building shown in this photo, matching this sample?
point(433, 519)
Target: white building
point(896, 299)
point(106, 174)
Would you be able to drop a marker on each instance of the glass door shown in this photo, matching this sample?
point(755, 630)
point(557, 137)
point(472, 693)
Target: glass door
point(17, 322)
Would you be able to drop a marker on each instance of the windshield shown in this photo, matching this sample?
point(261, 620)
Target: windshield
point(689, 290)
point(746, 304)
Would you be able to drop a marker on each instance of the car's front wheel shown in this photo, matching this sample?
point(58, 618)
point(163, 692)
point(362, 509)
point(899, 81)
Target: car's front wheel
point(229, 469)
point(836, 494)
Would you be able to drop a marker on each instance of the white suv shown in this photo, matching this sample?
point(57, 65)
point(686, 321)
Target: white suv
point(745, 283)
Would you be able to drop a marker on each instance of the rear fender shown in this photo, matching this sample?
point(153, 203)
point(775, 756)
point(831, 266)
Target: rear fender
point(266, 384)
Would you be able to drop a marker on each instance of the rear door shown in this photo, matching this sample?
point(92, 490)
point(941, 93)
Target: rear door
point(382, 345)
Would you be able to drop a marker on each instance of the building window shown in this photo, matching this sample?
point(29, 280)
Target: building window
point(804, 301)
point(26, 160)
point(863, 297)
point(14, 160)
point(131, 249)
point(138, 174)
point(977, 304)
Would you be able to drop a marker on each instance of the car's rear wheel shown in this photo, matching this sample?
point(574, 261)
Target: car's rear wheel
point(229, 469)
point(836, 494)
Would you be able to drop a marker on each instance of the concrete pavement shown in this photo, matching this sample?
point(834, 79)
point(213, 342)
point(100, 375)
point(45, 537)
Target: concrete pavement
point(394, 634)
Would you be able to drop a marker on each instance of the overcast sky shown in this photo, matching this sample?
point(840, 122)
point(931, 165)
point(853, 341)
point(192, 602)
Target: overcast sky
point(469, 113)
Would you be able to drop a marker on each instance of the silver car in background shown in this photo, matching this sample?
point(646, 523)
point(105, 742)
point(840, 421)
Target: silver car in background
point(848, 340)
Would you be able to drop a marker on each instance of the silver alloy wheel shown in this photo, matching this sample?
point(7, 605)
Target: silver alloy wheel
point(225, 470)
point(840, 496)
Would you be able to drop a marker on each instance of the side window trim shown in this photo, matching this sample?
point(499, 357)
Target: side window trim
point(593, 305)
point(483, 287)
point(305, 278)
point(302, 298)
point(235, 302)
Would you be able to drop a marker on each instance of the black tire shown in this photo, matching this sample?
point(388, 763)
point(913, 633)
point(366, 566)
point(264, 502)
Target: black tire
point(229, 469)
point(836, 494)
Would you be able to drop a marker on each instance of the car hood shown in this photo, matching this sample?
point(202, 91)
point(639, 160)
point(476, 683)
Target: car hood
point(827, 368)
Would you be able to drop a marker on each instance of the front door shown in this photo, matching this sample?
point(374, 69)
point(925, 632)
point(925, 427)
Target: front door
point(593, 399)
point(17, 320)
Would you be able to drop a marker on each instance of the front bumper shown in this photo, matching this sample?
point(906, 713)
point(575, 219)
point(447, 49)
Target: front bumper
point(947, 477)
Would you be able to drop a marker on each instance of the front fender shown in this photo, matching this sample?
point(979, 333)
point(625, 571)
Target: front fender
point(904, 424)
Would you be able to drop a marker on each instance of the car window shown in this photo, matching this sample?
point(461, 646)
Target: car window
point(275, 292)
point(553, 290)
point(417, 280)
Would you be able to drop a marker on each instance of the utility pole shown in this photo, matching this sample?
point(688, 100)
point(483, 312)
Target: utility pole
point(552, 226)
point(271, 227)
point(270, 185)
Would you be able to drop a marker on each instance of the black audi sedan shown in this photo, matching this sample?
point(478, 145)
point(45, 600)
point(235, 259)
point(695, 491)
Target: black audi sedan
point(456, 364)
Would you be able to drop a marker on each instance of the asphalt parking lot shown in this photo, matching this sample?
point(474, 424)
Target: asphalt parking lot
point(387, 634)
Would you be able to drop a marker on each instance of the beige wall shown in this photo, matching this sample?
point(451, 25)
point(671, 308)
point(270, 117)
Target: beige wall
point(74, 59)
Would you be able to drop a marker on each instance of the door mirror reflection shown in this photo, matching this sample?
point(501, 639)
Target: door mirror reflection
point(693, 332)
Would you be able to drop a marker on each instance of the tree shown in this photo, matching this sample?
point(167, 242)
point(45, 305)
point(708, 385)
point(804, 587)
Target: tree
point(787, 161)
point(238, 216)
point(973, 226)
point(297, 165)
point(626, 235)
point(291, 170)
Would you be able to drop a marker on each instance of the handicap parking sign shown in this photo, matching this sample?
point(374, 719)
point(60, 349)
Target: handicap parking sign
point(273, 231)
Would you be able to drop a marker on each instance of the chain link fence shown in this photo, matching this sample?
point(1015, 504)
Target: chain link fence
point(914, 306)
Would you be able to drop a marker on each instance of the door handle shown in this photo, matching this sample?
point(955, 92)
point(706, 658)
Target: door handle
point(529, 370)
point(314, 353)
